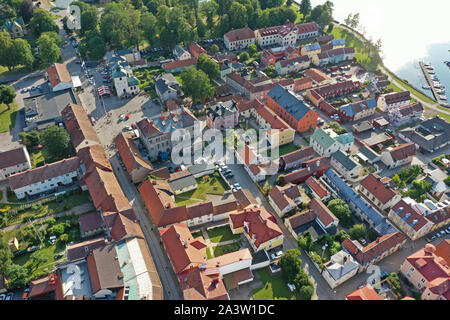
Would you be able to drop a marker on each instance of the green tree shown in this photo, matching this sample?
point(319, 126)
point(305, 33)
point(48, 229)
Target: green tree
point(196, 84)
point(89, 19)
point(209, 10)
point(7, 94)
point(64, 238)
point(244, 56)
point(5, 255)
point(291, 263)
point(150, 30)
point(305, 242)
point(447, 180)
point(340, 209)
point(96, 48)
point(56, 143)
point(238, 15)
point(37, 258)
point(358, 231)
point(341, 236)
point(214, 49)
point(153, 5)
point(305, 7)
point(21, 53)
point(55, 37)
point(42, 21)
point(49, 51)
point(17, 276)
point(270, 3)
point(30, 139)
point(26, 10)
point(252, 49)
point(6, 46)
point(208, 65)
point(306, 292)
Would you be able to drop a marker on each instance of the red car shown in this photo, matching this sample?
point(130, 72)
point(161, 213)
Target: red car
point(177, 169)
point(127, 117)
point(105, 77)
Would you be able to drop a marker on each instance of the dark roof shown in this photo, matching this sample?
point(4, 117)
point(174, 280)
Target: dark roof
point(240, 34)
point(13, 157)
point(104, 269)
point(83, 249)
point(297, 108)
point(347, 162)
point(91, 221)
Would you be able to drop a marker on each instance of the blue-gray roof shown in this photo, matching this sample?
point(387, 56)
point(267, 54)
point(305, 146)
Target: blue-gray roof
point(345, 138)
point(312, 47)
point(296, 107)
point(368, 152)
point(338, 42)
point(353, 108)
point(347, 162)
point(346, 193)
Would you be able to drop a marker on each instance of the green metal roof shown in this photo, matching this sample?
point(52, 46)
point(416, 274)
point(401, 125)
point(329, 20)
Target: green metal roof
point(322, 138)
point(133, 81)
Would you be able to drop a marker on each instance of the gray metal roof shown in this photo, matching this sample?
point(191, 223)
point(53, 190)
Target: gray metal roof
point(182, 183)
point(345, 160)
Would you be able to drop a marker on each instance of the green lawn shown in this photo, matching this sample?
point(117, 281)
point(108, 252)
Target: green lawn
point(212, 184)
point(274, 287)
point(394, 87)
point(37, 159)
point(7, 116)
point(39, 211)
point(221, 234)
point(287, 148)
point(221, 250)
point(145, 77)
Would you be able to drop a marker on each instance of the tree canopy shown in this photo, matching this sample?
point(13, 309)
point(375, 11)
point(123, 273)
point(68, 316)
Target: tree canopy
point(49, 51)
point(42, 21)
point(208, 66)
point(7, 94)
point(196, 84)
point(56, 143)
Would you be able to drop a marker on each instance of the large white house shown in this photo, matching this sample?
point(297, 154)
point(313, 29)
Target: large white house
point(49, 177)
point(239, 39)
point(124, 82)
point(14, 161)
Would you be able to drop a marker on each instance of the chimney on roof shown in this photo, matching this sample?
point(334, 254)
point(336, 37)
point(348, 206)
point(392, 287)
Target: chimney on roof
point(185, 244)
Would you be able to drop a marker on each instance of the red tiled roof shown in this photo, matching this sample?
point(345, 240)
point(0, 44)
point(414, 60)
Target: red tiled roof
point(298, 155)
point(79, 126)
point(443, 250)
point(247, 155)
point(260, 224)
point(317, 75)
point(271, 118)
point(428, 264)
point(179, 63)
point(196, 49)
point(240, 34)
point(252, 104)
point(91, 221)
point(39, 174)
point(148, 126)
point(58, 73)
point(407, 210)
point(94, 157)
point(307, 27)
point(364, 293)
point(244, 198)
point(310, 167)
point(13, 157)
point(322, 212)
point(403, 151)
point(377, 188)
point(199, 285)
point(42, 286)
point(301, 218)
point(130, 154)
point(199, 209)
point(317, 187)
point(178, 241)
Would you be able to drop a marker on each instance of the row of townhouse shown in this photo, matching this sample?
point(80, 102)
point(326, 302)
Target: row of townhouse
point(284, 35)
point(412, 113)
point(320, 94)
point(358, 110)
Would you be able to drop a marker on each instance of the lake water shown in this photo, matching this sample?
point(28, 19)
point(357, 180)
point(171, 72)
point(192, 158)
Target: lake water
point(410, 30)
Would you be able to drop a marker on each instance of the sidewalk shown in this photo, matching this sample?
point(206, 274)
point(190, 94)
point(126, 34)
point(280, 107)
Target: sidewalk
point(78, 210)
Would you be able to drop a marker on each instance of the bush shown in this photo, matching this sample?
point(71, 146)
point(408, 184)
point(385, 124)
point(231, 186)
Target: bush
point(315, 257)
point(64, 238)
point(341, 236)
point(396, 286)
point(358, 231)
point(306, 292)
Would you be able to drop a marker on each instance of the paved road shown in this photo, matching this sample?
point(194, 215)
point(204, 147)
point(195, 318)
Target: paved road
point(172, 290)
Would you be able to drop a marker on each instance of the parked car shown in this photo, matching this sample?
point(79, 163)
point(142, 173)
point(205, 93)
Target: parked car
point(276, 255)
point(2, 296)
point(171, 170)
point(127, 128)
point(237, 186)
point(25, 294)
point(229, 175)
point(9, 296)
point(384, 275)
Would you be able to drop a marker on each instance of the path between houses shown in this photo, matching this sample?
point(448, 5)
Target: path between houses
point(78, 210)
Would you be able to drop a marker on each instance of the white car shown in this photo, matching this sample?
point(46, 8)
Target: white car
point(127, 128)
point(122, 117)
point(276, 255)
point(2, 296)
point(9, 296)
point(237, 186)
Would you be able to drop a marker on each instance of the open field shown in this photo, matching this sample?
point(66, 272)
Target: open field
point(221, 234)
point(274, 287)
point(7, 116)
point(212, 184)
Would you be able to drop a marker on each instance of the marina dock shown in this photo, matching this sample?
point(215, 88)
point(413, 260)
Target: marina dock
point(430, 82)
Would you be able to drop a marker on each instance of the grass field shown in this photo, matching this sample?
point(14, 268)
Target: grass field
point(394, 87)
point(208, 253)
point(221, 250)
point(197, 234)
point(7, 116)
point(274, 287)
point(221, 234)
point(212, 184)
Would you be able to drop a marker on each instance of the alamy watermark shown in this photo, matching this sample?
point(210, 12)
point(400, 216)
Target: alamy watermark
point(74, 18)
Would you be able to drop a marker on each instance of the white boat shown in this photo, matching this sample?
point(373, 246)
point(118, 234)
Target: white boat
point(440, 91)
point(426, 87)
point(443, 97)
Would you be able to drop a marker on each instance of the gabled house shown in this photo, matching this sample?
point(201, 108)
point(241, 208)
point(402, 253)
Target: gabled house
point(378, 193)
point(284, 199)
point(284, 35)
point(166, 86)
point(16, 28)
point(59, 77)
point(398, 156)
point(364, 293)
point(295, 159)
point(293, 65)
point(429, 272)
point(179, 65)
point(14, 161)
point(345, 165)
point(317, 189)
point(390, 101)
point(358, 110)
point(222, 115)
point(333, 56)
point(180, 53)
point(411, 113)
point(325, 143)
point(125, 83)
point(314, 167)
point(307, 30)
point(239, 39)
point(259, 227)
point(292, 109)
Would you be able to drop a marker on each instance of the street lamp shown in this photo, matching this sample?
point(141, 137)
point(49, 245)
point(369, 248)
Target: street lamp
point(323, 248)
